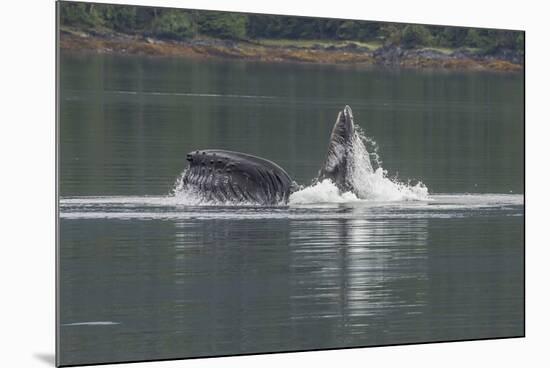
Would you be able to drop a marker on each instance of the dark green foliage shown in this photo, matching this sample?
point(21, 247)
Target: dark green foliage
point(182, 24)
point(79, 14)
point(475, 38)
point(414, 35)
point(449, 36)
point(520, 42)
point(269, 26)
point(222, 25)
point(347, 30)
point(355, 30)
point(278, 27)
point(259, 26)
point(172, 24)
point(120, 18)
point(502, 39)
point(391, 34)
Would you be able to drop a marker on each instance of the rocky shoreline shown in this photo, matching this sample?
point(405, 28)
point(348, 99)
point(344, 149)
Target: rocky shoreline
point(334, 53)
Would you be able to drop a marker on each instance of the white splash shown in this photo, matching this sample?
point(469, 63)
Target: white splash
point(184, 195)
point(369, 183)
point(374, 184)
point(322, 192)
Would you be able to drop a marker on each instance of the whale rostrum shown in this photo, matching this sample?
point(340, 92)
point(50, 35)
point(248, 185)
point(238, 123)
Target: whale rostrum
point(227, 176)
point(338, 162)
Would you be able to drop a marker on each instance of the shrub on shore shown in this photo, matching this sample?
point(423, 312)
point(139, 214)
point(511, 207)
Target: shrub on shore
point(179, 24)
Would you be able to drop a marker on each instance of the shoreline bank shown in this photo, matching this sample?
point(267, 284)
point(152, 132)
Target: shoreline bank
point(317, 52)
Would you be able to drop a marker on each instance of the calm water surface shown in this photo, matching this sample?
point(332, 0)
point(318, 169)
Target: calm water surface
point(144, 276)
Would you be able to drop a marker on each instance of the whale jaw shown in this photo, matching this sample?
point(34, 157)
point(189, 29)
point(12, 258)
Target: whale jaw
point(338, 162)
point(225, 176)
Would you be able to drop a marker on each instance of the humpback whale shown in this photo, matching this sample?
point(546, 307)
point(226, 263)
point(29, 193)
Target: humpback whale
point(227, 176)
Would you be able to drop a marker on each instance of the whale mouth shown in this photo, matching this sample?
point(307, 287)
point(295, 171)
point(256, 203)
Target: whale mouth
point(222, 176)
point(337, 163)
point(347, 117)
point(344, 128)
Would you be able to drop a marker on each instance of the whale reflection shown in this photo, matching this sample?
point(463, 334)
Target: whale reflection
point(351, 270)
point(342, 278)
point(214, 281)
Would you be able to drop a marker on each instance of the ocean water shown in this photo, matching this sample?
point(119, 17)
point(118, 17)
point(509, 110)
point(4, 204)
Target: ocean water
point(430, 250)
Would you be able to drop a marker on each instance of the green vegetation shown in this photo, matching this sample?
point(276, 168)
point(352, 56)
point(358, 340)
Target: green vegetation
point(222, 25)
point(178, 24)
point(414, 35)
point(149, 21)
point(173, 25)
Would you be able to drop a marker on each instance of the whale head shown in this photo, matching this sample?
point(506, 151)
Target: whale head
point(337, 163)
point(344, 128)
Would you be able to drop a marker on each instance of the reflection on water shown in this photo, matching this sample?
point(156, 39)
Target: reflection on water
point(349, 279)
point(243, 280)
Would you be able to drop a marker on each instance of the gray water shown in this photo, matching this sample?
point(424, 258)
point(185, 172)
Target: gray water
point(144, 275)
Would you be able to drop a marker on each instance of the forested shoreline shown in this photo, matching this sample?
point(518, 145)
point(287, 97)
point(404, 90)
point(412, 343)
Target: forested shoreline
point(199, 33)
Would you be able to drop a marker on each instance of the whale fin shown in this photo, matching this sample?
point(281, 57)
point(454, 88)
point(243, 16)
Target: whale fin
point(226, 176)
point(338, 162)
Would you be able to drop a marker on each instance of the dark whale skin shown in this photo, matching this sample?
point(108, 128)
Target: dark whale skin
point(338, 161)
point(227, 176)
